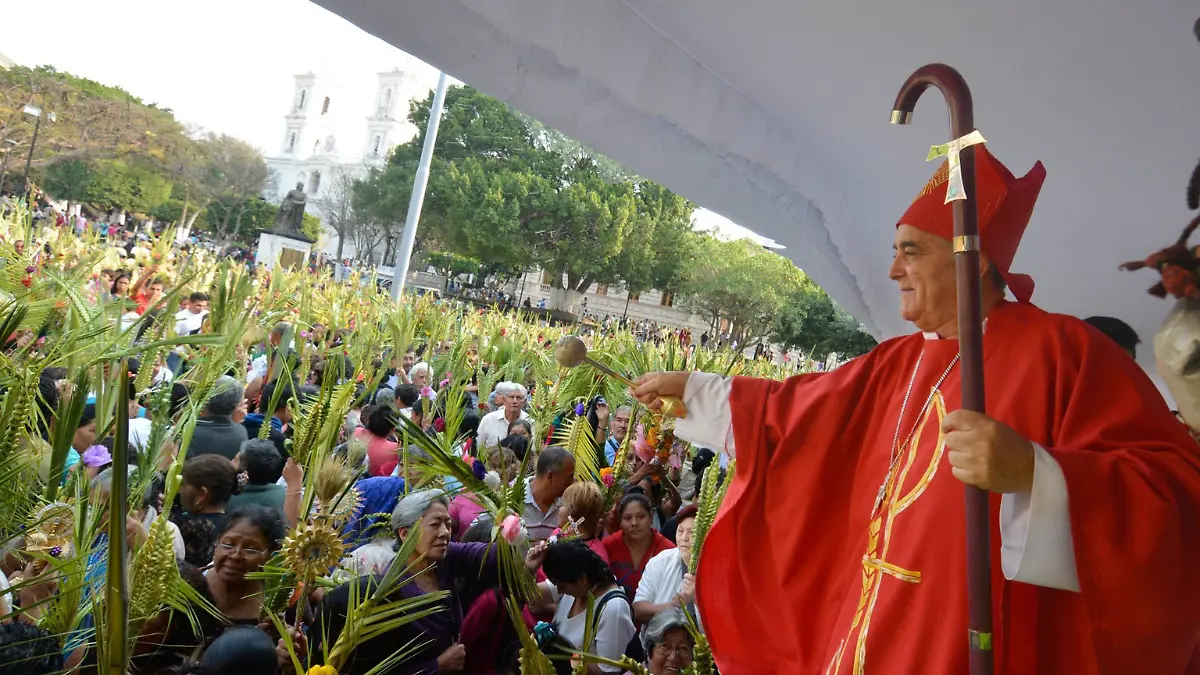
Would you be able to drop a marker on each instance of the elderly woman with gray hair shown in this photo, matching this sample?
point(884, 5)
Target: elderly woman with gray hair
point(425, 515)
point(668, 643)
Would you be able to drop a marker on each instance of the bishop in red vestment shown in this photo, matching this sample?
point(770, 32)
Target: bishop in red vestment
point(840, 548)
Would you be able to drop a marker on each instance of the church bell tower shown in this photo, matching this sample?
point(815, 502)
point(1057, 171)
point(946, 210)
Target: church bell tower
point(294, 139)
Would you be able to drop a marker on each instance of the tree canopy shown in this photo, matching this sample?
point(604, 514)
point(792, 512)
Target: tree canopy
point(762, 294)
point(92, 121)
point(741, 282)
point(108, 148)
point(506, 190)
point(810, 321)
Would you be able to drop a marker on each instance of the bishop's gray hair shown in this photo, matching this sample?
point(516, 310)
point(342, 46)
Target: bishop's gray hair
point(664, 622)
point(413, 506)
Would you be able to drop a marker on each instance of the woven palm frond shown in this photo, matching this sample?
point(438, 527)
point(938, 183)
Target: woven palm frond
point(576, 435)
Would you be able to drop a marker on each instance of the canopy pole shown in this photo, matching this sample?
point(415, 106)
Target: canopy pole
point(970, 336)
point(400, 272)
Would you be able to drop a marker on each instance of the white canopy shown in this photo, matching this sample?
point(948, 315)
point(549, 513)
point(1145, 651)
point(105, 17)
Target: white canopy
point(775, 114)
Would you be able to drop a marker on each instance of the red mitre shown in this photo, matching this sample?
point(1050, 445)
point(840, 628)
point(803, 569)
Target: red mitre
point(1005, 205)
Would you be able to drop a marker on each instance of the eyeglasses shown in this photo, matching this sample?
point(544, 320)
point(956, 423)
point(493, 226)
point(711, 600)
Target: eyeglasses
point(243, 552)
point(680, 651)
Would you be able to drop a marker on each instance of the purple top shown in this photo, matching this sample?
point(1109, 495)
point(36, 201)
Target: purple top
point(437, 632)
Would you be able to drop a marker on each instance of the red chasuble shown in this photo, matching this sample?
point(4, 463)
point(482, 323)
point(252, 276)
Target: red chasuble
point(799, 577)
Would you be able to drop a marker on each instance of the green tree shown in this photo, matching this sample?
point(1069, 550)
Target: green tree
point(449, 264)
point(507, 191)
point(69, 180)
point(741, 282)
point(811, 322)
point(310, 226)
point(229, 175)
point(92, 121)
point(659, 243)
point(117, 184)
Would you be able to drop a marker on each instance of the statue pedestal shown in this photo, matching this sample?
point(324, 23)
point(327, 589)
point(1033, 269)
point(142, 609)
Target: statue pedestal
point(283, 250)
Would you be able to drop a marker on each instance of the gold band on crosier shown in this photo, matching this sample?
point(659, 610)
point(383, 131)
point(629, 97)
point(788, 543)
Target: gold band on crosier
point(965, 244)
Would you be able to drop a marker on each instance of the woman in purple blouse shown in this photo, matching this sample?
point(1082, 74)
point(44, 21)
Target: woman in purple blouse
point(435, 637)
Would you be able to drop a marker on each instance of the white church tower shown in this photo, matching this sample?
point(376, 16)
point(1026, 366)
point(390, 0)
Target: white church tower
point(388, 124)
point(293, 141)
point(324, 123)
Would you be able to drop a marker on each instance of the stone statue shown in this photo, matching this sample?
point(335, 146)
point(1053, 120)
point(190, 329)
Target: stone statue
point(291, 212)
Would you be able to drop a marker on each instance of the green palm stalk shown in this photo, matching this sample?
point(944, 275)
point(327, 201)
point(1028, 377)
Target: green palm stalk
point(532, 660)
point(702, 657)
point(114, 656)
point(708, 504)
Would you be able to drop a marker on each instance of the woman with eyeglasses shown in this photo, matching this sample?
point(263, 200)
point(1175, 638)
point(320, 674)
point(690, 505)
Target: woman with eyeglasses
point(668, 643)
point(251, 534)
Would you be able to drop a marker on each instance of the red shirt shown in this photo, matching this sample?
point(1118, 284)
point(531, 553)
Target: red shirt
point(380, 451)
point(487, 631)
point(620, 560)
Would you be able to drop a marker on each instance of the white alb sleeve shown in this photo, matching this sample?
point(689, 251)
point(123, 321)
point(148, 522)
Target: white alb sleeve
point(1035, 530)
point(709, 421)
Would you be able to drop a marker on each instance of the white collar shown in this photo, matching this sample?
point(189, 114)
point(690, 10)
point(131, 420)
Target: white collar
point(934, 336)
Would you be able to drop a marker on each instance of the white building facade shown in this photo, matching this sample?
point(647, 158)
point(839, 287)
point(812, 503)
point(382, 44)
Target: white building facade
point(602, 300)
point(329, 132)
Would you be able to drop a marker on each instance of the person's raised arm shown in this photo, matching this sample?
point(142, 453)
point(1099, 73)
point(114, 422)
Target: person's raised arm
point(293, 478)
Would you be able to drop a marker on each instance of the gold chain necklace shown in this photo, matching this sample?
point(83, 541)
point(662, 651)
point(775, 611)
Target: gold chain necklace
point(897, 450)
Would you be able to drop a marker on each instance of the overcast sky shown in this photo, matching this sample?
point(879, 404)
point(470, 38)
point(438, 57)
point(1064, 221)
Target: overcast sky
point(223, 65)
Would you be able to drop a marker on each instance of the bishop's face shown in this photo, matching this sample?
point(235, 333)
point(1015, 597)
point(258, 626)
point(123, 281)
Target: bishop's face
point(923, 269)
point(1177, 352)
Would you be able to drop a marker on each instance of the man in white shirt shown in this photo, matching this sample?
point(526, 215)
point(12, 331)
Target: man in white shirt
point(260, 366)
point(189, 321)
point(400, 376)
point(494, 425)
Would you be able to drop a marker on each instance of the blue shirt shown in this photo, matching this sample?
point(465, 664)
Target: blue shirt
point(610, 450)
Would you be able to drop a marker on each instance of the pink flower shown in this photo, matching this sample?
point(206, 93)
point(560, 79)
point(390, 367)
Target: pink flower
point(608, 479)
point(439, 425)
point(427, 392)
point(676, 462)
point(510, 529)
point(444, 383)
point(641, 447)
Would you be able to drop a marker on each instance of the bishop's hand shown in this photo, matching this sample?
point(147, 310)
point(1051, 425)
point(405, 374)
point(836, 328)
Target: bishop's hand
point(988, 454)
point(651, 387)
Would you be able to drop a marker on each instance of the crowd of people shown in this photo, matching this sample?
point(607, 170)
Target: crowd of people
point(604, 528)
